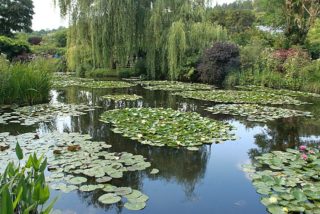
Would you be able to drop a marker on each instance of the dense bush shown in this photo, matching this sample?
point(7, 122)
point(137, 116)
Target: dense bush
point(12, 48)
point(217, 62)
point(126, 72)
point(35, 40)
point(24, 188)
point(102, 72)
point(290, 69)
point(313, 41)
point(25, 83)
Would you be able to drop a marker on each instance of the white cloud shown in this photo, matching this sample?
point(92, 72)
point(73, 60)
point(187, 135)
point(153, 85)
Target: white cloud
point(46, 15)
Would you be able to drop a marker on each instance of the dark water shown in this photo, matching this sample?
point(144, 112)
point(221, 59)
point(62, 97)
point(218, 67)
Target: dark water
point(205, 181)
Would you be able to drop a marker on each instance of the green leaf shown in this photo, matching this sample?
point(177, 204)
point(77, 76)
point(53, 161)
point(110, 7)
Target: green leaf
point(18, 197)
point(19, 152)
point(273, 209)
point(50, 207)
point(29, 209)
point(44, 195)
point(6, 201)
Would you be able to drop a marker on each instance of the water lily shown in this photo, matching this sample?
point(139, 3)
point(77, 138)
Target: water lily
point(302, 148)
point(273, 200)
point(304, 156)
point(312, 152)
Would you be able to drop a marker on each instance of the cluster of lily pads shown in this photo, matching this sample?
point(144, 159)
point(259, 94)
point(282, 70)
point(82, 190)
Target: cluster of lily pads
point(167, 127)
point(230, 96)
point(174, 86)
point(89, 83)
point(254, 112)
point(30, 115)
point(288, 181)
point(74, 160)
point(119, 97)
point(278, 91)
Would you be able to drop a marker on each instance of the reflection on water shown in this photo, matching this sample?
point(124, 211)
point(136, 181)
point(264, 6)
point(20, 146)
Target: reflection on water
point(206, 181)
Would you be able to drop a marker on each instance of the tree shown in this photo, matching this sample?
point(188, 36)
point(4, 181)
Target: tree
point(218, 61)
point(15, 15)
point(170, 33)
point(295, 17)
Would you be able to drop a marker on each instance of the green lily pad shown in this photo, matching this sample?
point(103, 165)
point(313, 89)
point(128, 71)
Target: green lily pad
point(257, 113)
point(120, 97)
point(135, 206)
point(77, 180)
point(249, 97)
point(154, 171)
point(166, 127)
point(109, 198)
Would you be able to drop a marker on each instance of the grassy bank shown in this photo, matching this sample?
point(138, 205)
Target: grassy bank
point(25, 83)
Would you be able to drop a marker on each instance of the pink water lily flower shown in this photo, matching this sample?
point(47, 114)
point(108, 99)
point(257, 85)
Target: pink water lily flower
point(302, 148)
point(304, 156)
point(312, 152)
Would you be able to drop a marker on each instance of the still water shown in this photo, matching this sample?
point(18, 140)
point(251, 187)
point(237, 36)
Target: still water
point(206, 181)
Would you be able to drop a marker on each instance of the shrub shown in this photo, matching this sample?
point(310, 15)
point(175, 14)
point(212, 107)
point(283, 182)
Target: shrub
point(24, 189)
point(140, 68)
point(217, 62)
point(126, 72)
point(35, 40)
point(13, 48)
point(102, 72)
point(313, 41)
point(25, 83)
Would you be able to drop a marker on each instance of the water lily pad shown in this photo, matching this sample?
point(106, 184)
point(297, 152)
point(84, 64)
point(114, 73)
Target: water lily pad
point(174, 86)
point(77, 180)
point(109, 198)
point(103, 179)
point(90, 188)
point(249, 97)
point(167, 127)
point(154, 171)
point(135, 206)
point(287, 180)
point(120, 97)
point(257, 113)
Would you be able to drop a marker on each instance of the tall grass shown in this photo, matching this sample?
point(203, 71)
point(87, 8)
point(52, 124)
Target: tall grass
point(25, 83)
point(308, 79)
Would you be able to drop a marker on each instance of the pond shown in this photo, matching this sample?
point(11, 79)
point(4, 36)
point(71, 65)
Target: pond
point(207, 180)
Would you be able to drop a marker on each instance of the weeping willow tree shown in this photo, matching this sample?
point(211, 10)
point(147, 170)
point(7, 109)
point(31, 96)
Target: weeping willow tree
point(113, 33)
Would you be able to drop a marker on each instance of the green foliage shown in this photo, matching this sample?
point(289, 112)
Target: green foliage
point(13, 48)
point(15, 16)
point(126, 72)
point(235, 20)
point(295, 17)
point(167, 32)
point(313, 40)
point(217, 62)
point(101, 72)
point(25, 83)
point(24, 188)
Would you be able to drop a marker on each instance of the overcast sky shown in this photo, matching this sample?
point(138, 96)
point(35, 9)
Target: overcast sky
point(48, 17)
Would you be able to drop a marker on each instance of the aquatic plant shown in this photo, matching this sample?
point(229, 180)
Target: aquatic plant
point(230, 96)
point(288, 181)
point(24, 188)
point(30, 115)
point(167, 127)
point(25, 83)
point(119, 97)
point(63, 81)
point(174, 86)
point(74, 161)
point(258, 113)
